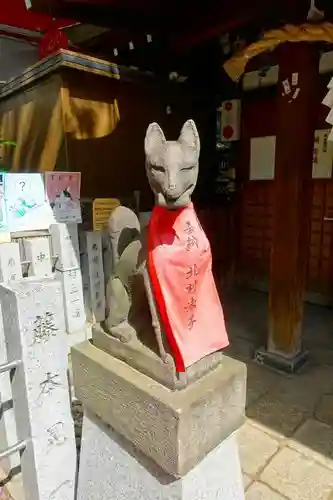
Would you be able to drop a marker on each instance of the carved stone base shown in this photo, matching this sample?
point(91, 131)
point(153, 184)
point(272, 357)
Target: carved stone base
point(148, 362)
point(175, 429)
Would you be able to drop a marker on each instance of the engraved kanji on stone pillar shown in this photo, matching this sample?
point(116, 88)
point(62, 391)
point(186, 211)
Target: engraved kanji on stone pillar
point(35, 334)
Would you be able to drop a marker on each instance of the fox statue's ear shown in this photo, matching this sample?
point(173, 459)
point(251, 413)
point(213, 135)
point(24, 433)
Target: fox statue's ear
point(154, 138)
point(189, 136)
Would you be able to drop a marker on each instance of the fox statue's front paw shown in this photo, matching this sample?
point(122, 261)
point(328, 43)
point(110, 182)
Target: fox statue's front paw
point(124, 332)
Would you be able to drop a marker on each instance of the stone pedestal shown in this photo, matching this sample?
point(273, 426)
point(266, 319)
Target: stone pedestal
point(111, 467)
point(142, 440)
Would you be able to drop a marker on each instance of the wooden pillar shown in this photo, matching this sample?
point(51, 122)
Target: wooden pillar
point(298, 63)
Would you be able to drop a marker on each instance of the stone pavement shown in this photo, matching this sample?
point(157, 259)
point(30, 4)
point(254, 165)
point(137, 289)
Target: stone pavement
point(286, 444)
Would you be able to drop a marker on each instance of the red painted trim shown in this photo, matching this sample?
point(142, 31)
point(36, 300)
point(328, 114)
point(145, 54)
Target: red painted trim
point(110, 3)
point(53, 41)
point(15, 13)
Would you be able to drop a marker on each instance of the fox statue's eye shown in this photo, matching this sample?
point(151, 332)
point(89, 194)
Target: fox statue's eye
point(157, 168)
point(184, 169)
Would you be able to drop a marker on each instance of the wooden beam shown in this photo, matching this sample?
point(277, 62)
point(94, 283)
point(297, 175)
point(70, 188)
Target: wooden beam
point(293, 196)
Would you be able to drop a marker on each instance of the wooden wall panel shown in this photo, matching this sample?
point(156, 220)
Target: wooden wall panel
point(256, 235)
point(256, 199)
point(320, 266)
point(218, 225)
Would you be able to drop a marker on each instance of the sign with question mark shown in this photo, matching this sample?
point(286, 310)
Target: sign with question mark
point(27, 207)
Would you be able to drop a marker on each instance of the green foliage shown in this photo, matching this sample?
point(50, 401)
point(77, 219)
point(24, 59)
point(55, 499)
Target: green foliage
point(4, 142)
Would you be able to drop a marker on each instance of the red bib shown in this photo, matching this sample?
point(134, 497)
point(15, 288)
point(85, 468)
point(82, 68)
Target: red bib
point(180, 269)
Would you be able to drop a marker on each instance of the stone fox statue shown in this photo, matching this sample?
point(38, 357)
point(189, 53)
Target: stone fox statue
point(161, 282)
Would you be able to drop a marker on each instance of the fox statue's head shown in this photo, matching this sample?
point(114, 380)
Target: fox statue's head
point(172, 166)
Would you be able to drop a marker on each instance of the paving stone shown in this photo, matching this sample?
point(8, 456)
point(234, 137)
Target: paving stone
point(247, 481)
point(322, 356)
point(324, 409)
point(323, 376)
point(315, 440)
point(302, 391)
point(277, 436)
point(298, 477)
point(280, 417)
point(256, 448)
point(259, 491)
point(259, 381)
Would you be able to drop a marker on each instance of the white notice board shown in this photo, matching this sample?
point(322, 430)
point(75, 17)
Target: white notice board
point(262, 158)
point(322, 155)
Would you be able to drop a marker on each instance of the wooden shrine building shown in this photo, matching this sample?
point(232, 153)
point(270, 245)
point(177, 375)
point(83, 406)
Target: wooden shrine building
point(273, 227)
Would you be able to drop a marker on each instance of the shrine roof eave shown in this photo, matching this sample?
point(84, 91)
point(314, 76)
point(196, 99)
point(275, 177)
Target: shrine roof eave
point(186, 22)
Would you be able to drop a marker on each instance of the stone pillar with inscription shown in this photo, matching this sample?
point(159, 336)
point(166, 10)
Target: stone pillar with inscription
point(86, 286)
point(10, 262)
point(37, 253)
point(65, 244)
point(10, 268)
point(93, 275)
point(162, 403)
point(35, 335)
